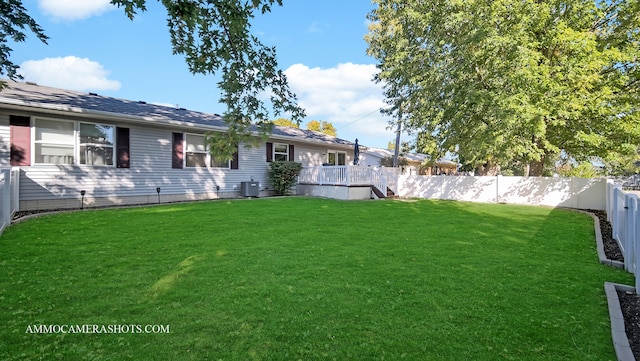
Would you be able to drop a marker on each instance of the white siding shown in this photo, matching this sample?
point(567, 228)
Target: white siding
point(311, 155)
point(150, 148)
point(5, 141)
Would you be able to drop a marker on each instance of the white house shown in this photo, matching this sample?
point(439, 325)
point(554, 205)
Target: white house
point(72, 146)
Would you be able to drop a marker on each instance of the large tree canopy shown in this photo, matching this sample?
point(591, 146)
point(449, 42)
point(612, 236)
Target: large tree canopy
point(214, 36)
point(504, 82)
point(14, 21)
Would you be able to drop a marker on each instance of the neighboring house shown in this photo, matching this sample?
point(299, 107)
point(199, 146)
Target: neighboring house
point(417, 163)
point(372, 156)
point(121, 151)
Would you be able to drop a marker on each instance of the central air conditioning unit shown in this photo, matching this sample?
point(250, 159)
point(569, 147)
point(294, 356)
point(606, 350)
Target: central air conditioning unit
point(249, 189)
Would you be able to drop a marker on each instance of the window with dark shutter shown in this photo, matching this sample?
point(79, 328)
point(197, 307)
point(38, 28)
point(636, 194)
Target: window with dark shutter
point(122, 148)
point(269, 152)
point(177, 151)
point(20, 139)
point(291, 157)
point(235, 163)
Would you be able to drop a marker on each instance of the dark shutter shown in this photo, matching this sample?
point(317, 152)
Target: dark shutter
point(291, 154)
point(269, 152)
point(122, 148)
point(235, 164)
point(20, 139)
point(177, 151)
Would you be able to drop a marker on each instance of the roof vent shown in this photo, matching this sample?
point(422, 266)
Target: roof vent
point(142, 102)
point(182, 109)
point(94, 94)
point(32, 83)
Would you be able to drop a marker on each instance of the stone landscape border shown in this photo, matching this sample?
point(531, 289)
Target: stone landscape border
point(618, 333)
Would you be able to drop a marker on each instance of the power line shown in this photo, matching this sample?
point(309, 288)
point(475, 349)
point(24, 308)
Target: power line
point(364, 116)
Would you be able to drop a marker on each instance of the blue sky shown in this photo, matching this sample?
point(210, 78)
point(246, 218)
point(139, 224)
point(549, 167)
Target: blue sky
point(320, 45)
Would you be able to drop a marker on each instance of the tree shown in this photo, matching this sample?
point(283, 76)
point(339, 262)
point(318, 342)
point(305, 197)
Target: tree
point(283, 122)
point(582, 170)
point(388, 161)
point(14, 20)
point(214, 36)
point(502, 82)
point(322, 127)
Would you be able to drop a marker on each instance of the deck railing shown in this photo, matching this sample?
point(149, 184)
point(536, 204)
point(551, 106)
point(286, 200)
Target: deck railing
point(347, 175)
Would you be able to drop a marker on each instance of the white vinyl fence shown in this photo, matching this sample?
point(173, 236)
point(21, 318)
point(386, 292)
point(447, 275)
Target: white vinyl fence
point(624, 215)
point(9, 195)
point(547, 191)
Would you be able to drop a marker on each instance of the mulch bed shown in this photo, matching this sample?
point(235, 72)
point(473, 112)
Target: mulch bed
point(629, 301)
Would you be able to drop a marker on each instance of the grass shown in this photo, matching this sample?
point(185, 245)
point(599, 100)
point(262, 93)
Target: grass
point(308, 279)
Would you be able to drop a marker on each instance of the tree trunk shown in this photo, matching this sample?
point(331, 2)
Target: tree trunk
point(488, 169)
point(536, 168)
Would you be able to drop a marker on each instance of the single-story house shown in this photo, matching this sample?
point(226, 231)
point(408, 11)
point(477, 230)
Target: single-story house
point(72, 146)
point(416, 163)
point(372, 157)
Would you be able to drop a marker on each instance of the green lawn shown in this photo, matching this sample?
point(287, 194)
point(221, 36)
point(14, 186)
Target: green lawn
point(308, 279)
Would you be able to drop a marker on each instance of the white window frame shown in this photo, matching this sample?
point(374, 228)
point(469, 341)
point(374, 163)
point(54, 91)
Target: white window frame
point(187, 151)
point(214, 165)
point(276, 153)
point(35, 142)
point(76, 142)
point(98, 145)
point(336, 154)
point(208, 159)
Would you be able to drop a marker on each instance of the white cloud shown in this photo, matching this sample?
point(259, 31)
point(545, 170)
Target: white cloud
point(317, 27)
point(70, 72)
point(345, 96)
point(74, 9)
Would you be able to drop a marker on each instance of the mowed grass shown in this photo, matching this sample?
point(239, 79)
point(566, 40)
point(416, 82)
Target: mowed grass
point(308, 279)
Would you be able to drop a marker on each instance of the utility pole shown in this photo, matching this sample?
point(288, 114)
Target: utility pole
point(398, 130)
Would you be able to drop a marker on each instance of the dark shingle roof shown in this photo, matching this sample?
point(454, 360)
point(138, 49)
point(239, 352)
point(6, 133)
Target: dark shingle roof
point(29, 94)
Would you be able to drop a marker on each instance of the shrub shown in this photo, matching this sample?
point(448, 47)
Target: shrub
point(282, 176)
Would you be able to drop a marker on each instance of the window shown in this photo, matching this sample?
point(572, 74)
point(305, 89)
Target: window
point(280, 152)
point(223, 163)
point(336, 158)
point(67, 142)
point(54, 142)
point(96, 144)
point(196, 151)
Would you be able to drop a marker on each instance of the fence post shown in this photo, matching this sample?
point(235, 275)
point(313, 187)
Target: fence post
point(631, 205)
point(6, 198)
point(636, 238)
point(15, 190)
point(614, 214)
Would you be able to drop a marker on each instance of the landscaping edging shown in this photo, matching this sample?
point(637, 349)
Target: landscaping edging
point(599, 244)
point(618, 334)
